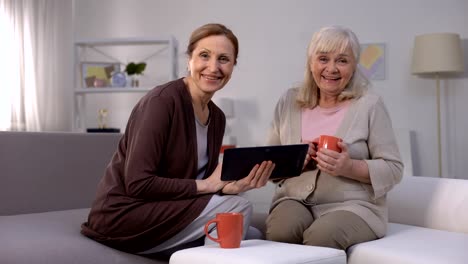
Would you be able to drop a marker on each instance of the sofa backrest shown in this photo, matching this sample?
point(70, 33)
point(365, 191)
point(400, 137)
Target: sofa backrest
point(438, 203)
point(403, 138)
point(41, 171)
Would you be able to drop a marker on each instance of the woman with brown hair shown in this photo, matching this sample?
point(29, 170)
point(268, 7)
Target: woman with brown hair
point(163, 183)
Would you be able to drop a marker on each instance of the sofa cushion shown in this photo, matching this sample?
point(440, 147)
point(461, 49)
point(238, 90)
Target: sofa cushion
point(406, 244)
point(54, 237)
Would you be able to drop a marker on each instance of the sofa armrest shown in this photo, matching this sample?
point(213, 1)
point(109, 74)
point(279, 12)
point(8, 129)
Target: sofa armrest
point(437, 203)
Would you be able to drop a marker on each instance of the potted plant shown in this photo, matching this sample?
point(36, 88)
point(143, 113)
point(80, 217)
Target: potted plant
point(133, 70)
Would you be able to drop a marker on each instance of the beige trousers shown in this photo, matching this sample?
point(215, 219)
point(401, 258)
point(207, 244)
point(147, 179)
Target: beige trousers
point(292, 222)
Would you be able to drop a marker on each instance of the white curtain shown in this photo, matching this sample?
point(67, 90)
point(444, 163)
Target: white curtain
point(35, 41)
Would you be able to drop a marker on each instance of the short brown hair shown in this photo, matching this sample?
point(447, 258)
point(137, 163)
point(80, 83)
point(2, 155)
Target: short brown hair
point(212, 29)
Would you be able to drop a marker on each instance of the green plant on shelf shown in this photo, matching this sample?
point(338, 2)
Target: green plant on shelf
point(133, 70)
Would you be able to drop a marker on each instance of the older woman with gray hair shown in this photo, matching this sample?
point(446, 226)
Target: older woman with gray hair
point(340, 197)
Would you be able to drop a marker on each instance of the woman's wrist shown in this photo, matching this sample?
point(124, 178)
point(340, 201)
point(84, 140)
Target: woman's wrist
point(351, 167)
point(202, 186)
point(359, 171)
point(221, 191)
point(228, 189)
point(205, 186)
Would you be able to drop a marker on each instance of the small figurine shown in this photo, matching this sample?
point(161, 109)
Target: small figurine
point(102, 118)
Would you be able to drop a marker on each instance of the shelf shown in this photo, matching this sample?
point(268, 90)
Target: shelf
point(113, 90)
point(124, 41)
point(117, 50)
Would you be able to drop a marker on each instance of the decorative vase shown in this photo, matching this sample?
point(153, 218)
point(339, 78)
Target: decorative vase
point(135, 81)
point(119, 79)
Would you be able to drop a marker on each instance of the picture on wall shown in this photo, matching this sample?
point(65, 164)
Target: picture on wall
point(98, 74)
point(372, 61)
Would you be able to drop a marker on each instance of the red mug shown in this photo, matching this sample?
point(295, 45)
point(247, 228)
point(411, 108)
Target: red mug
point(328, 142)
point(229, 228)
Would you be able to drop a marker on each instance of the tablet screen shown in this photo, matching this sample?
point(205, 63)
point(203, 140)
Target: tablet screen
point(288, 159)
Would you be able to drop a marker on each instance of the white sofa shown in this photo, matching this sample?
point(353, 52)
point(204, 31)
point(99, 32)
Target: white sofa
point(428, 223)
point(48, 181)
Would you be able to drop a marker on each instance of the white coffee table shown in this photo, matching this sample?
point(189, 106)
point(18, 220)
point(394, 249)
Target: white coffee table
point(259, 252)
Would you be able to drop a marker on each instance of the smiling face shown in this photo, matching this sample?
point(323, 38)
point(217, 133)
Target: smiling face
point(332, 70)
point(211, 64)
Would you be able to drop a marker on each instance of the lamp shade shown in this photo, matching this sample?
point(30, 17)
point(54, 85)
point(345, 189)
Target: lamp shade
point(437, 53)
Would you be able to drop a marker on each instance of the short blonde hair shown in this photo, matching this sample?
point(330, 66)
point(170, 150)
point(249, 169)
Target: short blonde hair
point(330, 39)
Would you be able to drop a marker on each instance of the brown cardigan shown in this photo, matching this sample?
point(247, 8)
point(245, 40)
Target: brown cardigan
point(148, 192)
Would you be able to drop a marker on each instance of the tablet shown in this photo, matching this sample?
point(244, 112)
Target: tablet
point(288, 159)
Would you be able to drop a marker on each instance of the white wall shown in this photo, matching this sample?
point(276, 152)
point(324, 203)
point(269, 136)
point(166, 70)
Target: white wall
point(273, 37)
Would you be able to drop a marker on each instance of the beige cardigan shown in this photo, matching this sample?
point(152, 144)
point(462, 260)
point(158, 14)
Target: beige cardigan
point(367, 130)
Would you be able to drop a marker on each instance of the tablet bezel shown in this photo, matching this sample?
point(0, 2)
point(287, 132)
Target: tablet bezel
point(288, 159)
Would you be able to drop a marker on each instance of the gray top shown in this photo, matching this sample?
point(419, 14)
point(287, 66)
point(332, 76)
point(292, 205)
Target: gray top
point(202, 133)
